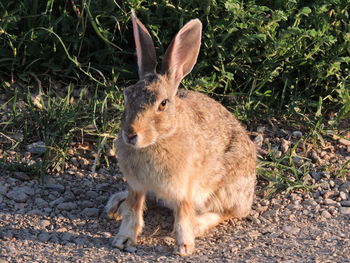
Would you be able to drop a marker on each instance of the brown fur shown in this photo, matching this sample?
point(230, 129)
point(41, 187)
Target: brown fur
point(194, 155)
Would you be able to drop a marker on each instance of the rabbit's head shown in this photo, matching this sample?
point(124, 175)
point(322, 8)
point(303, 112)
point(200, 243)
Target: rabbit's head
point(150, 105)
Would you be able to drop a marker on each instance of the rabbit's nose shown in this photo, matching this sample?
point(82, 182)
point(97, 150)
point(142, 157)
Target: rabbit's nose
point(131, 138)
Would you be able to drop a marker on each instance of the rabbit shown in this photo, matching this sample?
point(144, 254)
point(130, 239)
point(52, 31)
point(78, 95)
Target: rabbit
point(181, 145)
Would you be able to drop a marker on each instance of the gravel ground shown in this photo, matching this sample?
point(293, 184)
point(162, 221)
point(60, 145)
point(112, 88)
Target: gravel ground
point(63, 220)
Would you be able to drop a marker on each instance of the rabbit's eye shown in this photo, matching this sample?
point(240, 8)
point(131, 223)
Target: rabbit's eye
point(162, 105)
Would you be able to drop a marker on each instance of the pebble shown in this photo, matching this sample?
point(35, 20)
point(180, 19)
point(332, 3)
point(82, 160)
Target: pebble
point(298, 160)
point(91, 194)
point(345, 187)
point(66, 236)
point(345, 203)
point(87, 203)
point(102, 187)
point(38, 147)
point(44, 237)
point(344, 141)
point(130, 249)
point(21, 176)
point(326, 214)
point(44, 223)
point(328, 201)
point(284, 145)
point(309, 202)
point(55, 187)
point(41, 202)
point(69, 196)
point(67, 206)
point(343, 195)
point(80, 241)
point(56, 201)
point(19, 197)
point(258, 140)
point(106, 234)
point(291, 230)
point(344, 210)
point(3, 189)
point(91, 212)
point(25, 189)
point(297, 134)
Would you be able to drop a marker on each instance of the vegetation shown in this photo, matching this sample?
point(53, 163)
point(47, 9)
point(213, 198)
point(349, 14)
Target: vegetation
point(63, 64)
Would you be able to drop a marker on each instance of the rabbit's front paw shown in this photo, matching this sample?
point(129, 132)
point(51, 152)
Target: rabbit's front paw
point(114, 203)
point(184, 249)
point(121, 241)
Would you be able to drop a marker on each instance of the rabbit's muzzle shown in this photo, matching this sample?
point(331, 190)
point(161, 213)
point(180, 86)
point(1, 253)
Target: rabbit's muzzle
point(129, 138)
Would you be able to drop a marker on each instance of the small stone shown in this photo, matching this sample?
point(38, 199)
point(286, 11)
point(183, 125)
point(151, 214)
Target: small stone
point(80, 241)
point(66, 236)
point(284, 145)
point(344, 141)
point(328, 201)
point(69, 196)
point(297, 134)
point(330, 194)
point(91, 194)
point(314, 157)
point(44, 237)
point(344, 210)
point(55, 187)
point(345, 203)
point(258, 140)
point(102, 187)
point(41, 202)
point(4, 189)
point(34, 212)
point(36, 147)
point(74, 161)
point(325, 185)
point(91, 212)
point(54, 238)
point(21, 176)
point(44, 223)
point(19, 197)
point(130, 249)
point(309, 202)
point(277, 154)
point(67, 206)
point(106, 234)
point(298, 160)
point(87, 203)
point(326, 175)
point(261, 129)
point(25, 189)
point(291, 230)
point(169, 240)
point(331, 183)
point(345, 187)
point(56, 201)
point(326, 214)
point(343, 195)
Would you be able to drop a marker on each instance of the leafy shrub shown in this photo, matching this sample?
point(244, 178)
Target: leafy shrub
point(261, 55)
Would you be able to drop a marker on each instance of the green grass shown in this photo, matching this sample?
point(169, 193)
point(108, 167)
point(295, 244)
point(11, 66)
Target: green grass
point(63, 66)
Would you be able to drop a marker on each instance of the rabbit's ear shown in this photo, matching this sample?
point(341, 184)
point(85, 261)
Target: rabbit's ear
point(182, 53)
point(146, 54)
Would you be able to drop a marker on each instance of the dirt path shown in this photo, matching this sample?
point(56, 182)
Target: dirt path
point(64, 221)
